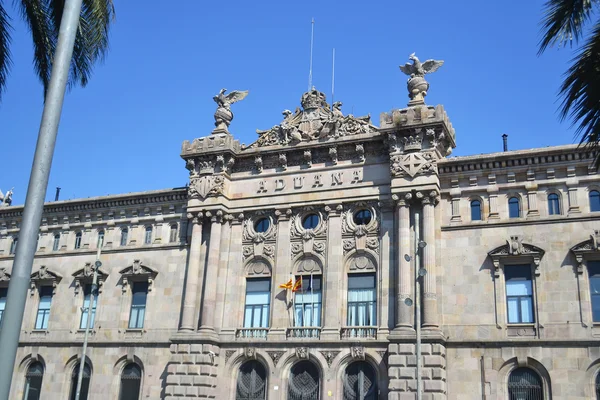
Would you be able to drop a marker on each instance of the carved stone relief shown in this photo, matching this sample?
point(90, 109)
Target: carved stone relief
point(205, 186)
point(302, 353)
point(330, 356)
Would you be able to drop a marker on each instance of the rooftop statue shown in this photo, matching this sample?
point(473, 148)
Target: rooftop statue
point(6, 200)
point(314, 121)
point(223, 115)
point(417, 85)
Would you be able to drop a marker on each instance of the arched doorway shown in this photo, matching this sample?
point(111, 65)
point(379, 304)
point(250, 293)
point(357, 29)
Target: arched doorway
point(131, 381)
point(304, 382)
point(360, 382)
point(251, 382)
point(525, 384)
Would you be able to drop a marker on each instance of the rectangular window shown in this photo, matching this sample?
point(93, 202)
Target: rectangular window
point(519, 294)
point(13, 245)
point(56, 243)
point(124, 233)
point(43, 314)
point(173, 234)
point(594, 276)
point(308, 302)
point(148, 235)
point(78, 240)
point(86, 305)
point(138, 305)
point(362, 300)
point(3, 293)
point(258, 299)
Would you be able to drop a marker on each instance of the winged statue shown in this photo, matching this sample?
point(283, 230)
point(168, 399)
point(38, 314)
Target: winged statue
point(417, 85)
point(223, 115)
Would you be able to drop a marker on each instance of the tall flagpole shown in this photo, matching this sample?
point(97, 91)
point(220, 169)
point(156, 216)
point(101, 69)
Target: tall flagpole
point(333, 79)
point(312, 36)
point(36, 192)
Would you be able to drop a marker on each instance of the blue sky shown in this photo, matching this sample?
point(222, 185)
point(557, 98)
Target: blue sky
point(123, 132)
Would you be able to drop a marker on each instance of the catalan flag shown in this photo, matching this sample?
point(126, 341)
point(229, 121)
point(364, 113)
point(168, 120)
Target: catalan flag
point(297, 285)
point(288, 285)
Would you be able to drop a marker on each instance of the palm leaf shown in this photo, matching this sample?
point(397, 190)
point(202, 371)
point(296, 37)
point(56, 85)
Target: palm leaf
point(5, 61)
point(581, 91)
point(564, 20)
point(36, 15)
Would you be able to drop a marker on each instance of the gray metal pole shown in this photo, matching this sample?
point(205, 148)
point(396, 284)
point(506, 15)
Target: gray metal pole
point(36, 192)
point(418, 303)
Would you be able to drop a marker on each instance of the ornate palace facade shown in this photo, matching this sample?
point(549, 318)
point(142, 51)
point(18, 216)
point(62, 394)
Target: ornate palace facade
point(286, 269)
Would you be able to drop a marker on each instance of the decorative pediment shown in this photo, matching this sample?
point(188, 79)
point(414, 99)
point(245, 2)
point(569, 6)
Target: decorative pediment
point(515, 251)
point(314, 121)
point(586, 248)
point(4, 276)
point(258, 267)
point(45, 276)
point(86, 274)
point(138, 271)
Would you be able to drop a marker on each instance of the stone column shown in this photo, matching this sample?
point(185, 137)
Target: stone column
point(387, 276)
point(211, 272)
point(404, 281)
point(281, 274)
point(456, 209)
point(222, 281)
point(532, 207)
point(334, 276)
point(430, 314)
point(234, 291)
point(494, 214)
point(572, 196)
point(193, 274)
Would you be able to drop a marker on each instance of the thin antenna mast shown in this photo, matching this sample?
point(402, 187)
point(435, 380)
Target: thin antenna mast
point(333, 79)
point(312, 36)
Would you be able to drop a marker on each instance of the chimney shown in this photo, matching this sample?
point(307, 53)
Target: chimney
point(505, 141)
point(57, 194)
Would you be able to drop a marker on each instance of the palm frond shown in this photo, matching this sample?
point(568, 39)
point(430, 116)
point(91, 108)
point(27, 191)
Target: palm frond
point(581, 92)
point(36, 15)
point(563, 21)
point(5, 61)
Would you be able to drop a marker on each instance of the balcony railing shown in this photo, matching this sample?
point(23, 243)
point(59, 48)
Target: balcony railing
point(304, 332)
point(252, 333)
point(359, 332)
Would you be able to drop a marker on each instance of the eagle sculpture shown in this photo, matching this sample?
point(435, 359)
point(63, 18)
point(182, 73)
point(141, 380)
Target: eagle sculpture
point(223, 115)
point(420, 69)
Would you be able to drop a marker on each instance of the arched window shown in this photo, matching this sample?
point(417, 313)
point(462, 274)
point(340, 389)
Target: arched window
point(33, 381)
point(360, 382)
point(514, 210)
point(85, 382)
point(475, 210)
point(262, 225)
point(148, 235)
point(124, 234)
point(100, 238)
point(304, 382)
point(362, 217)
point(251, 381)
point(311, 221)
point(594, 200)
point(553, 204)
point(56, 243)
point(524, 383)
point(173, 234)
point(131, 381)
point(13, 245)
point(597, 386)
point(78, 240)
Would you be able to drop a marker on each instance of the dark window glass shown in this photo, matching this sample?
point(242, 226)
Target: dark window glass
point(148, 235)
point(308, 301)
point(131, 381)
point(598, 386)
point(138, 305)
point(594, 276)
point(258, 299)
point(85, 382)
point(513, 208)
point(519, 294)
point(304, 382)
point(524, 383)
point(56, 244)
point(100, 238)
point(360, 382)
point(251, 382)
point(13, 245)
point(3, 293)
point(124, 233)
point(87, 292)
point(173, 234)
point(475, 210)
point(311, 221)
point(43, 314)
point(553, 204)
point(262, 225)
point(362, 300)
point(33, 381)
point(78, 240)
point(594, 200)
point(362, 217)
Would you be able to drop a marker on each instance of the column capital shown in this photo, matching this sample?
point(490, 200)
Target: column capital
point(196, 217)
point(216, 217)
point(428, 197)
point(334, 210)
point(402, 199)
point(283, 214)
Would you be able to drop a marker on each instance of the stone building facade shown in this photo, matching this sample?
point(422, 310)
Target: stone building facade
point(196, 297)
